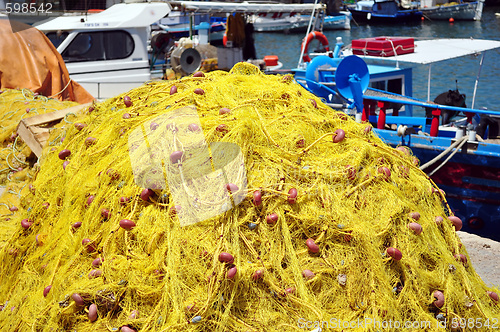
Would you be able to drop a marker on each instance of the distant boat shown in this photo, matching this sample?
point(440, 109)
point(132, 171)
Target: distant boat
point(299, 23)
point(462, 11)
point(383, 12)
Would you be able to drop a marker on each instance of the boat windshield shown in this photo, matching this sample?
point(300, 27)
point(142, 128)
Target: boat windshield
point(57, 37)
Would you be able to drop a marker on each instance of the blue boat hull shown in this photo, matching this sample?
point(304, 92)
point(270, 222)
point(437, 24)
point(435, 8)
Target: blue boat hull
point(470, 179)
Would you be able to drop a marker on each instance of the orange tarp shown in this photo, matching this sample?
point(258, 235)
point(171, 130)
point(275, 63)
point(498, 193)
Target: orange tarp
point(29, 60)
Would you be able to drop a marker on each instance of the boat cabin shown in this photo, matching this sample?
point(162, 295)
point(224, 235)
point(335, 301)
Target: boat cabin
point(107, 52)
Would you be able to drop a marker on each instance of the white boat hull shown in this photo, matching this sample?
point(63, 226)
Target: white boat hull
point(467, 11)
point(299, 23)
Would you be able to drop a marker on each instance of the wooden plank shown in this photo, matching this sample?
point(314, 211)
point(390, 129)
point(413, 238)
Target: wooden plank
point(53, 116)
point(36, 137)
point(28, 138)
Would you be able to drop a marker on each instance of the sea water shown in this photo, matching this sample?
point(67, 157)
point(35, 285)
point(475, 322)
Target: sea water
point(444, 74)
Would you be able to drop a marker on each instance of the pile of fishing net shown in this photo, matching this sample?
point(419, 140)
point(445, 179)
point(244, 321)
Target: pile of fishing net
point(232, 202)
point(16, 159)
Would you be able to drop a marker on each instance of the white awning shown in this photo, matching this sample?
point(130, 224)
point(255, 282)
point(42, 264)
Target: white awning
point(435, 50)
point(122, 15)
point(245, 7)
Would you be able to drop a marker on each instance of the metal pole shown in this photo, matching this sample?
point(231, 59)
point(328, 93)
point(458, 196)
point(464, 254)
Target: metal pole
point(429, 84)
point(477, 79)
point(307, 33)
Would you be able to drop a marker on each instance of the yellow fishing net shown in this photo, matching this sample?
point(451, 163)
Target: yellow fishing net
point(16, 159)
point(295, 217)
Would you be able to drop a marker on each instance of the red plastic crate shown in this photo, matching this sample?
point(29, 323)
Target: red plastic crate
point(271, 60)
point(383, 46)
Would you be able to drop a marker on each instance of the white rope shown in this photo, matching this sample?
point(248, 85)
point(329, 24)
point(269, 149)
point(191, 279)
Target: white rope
point(442, 154)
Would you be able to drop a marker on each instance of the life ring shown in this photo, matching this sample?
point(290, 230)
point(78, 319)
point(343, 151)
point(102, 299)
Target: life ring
point(313, 35)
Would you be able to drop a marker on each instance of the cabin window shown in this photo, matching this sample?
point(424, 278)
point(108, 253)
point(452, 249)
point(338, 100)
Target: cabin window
point(57, 37)
point(99, 46)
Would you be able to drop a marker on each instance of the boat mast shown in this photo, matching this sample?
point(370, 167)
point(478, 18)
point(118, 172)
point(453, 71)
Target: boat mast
point(303, 48)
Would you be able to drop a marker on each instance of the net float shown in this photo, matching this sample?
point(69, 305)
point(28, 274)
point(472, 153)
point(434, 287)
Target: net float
point(127, 101)
point(78, 299)
point(258, 275)
point(13, 208)
point(394, 253)
point(175, 209)
point(90, 199)
point(403, 149)
point(415, 227)
point(367, 129)
point(461, 257)
point(64, 154)
point(97, 262)
point(126, 116)
point(176, 156)
point(351, 172)
point(231, 273)
point(126, 328)
point(224, 110)
point(90, 141)
point(46, 290)
point(89, 244)
point(231, 187)
point(308, 274)
point(272, 218)
point(257, 198)
point(146, 194)
point(439, 296)
point(173, 90)
point(196, 319)
point(456, 221)
point(153, 126)
point(127, 224)
point(79, 126)
point(105, 213)
point(25, 223)
point(193, 127)
point(338, 136)
point(124, 200)
point(290, 290)
point(134, 314)
point(222, 128)
point(199, 91)
point(385, 172)
point(199, 74)
point(292, 195)
point(77, 225)
point(252, 225)
point(92, 313)
point(95, 273)
point(314, 103)
point(225, 257)
point(438, 220)
point(414, 215)
point(312, 246)
point(493, 295)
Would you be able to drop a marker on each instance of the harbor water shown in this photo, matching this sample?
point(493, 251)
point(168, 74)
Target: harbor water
point(444, 74)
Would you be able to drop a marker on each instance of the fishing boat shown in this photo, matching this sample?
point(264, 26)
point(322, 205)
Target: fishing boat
point(383, 12)
point(107, 52)
point(457, 11)
point(178, 24)
point(372, 82)
point(299, 23)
